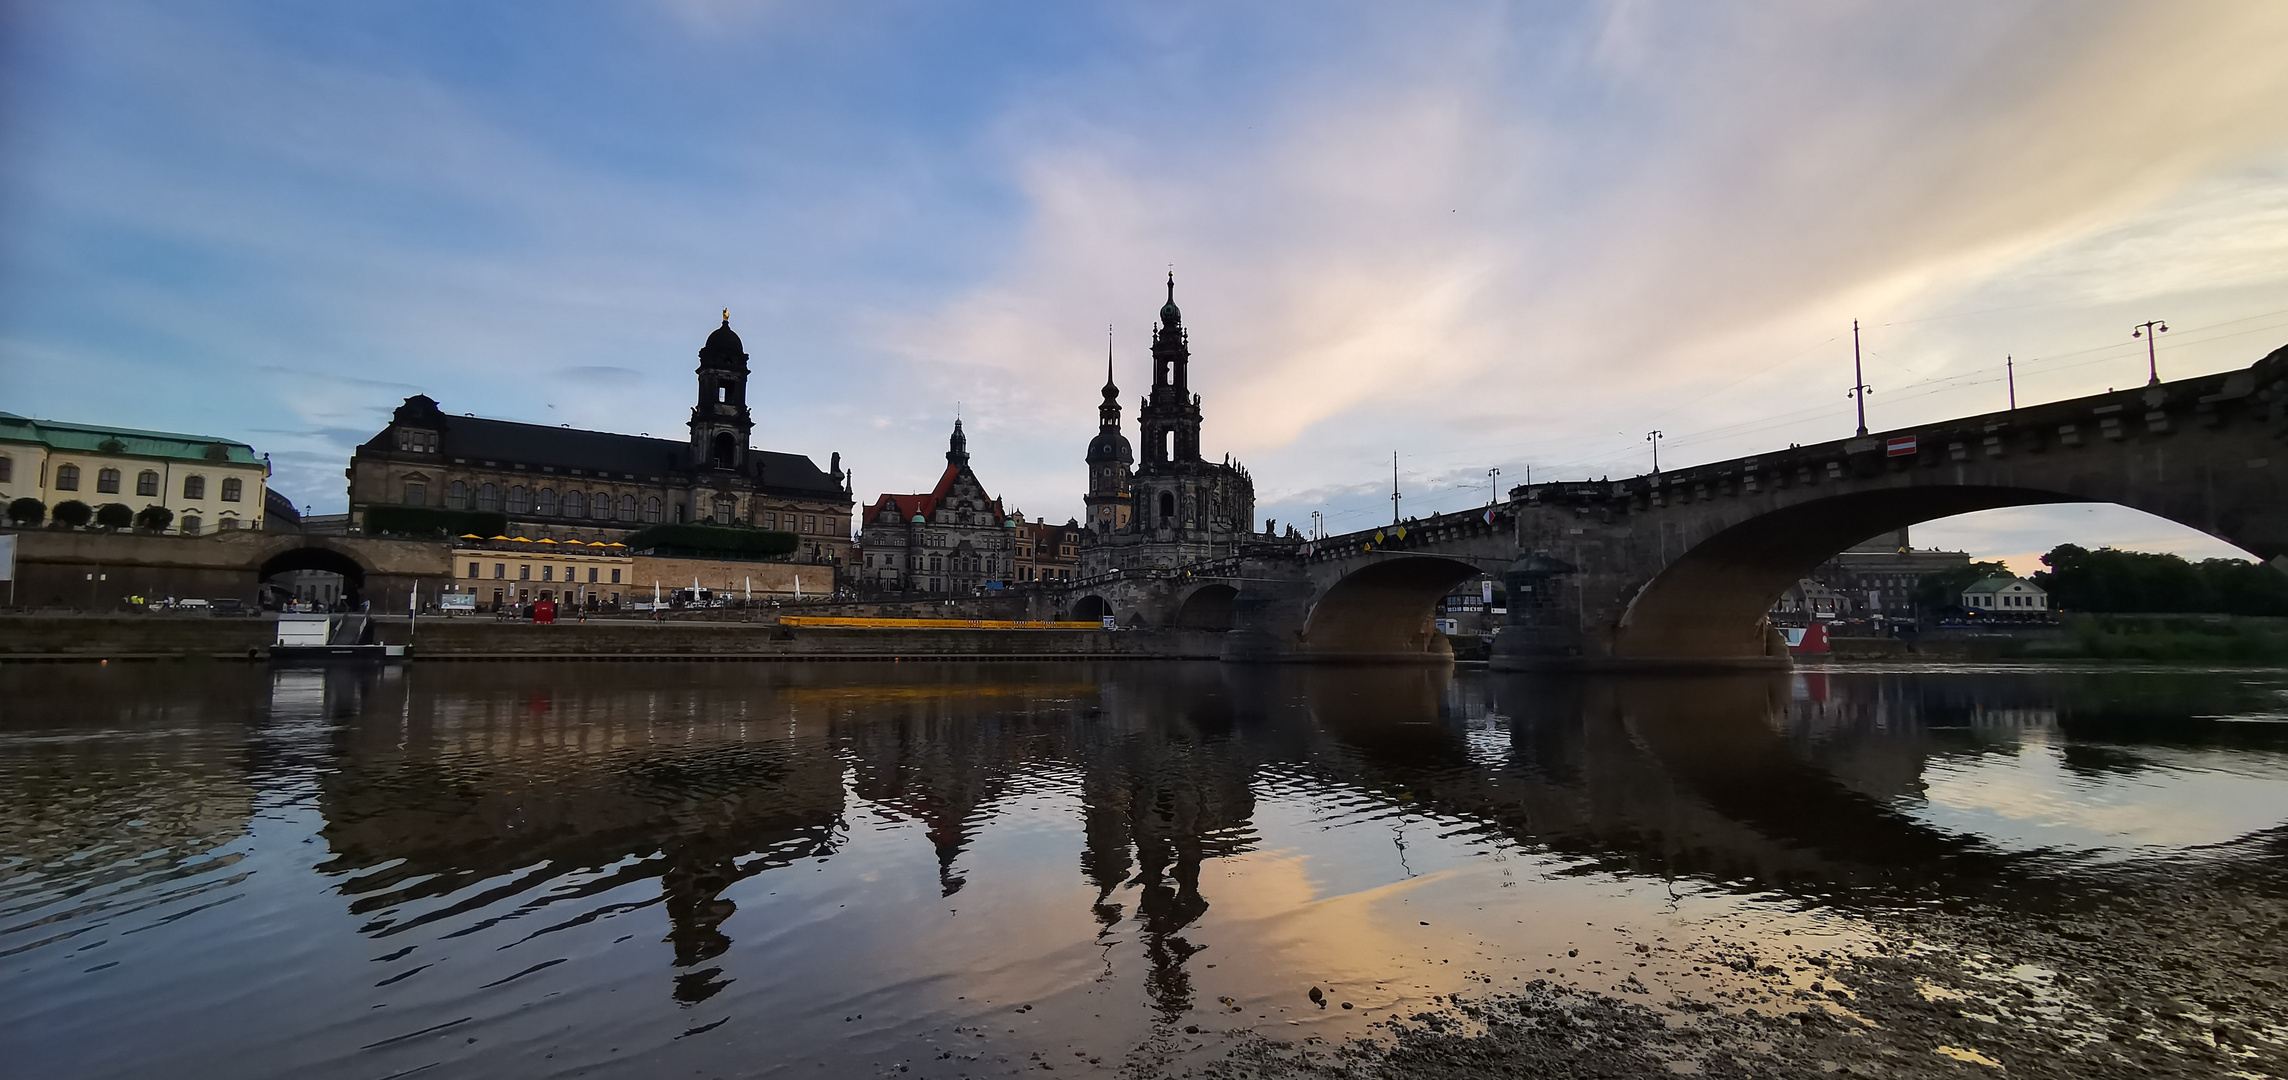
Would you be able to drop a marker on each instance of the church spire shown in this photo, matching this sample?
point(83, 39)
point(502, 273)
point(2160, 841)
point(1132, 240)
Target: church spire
point(957, 448)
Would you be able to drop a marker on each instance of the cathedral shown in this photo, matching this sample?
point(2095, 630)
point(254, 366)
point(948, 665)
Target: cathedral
point(1173, 506)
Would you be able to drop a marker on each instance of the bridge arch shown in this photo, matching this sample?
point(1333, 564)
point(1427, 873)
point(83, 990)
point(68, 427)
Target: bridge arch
point(1091, 608)
point(1208, 607)
point(1383, 610)
point(1710, 600)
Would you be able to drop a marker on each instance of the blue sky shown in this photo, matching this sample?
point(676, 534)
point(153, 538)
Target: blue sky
point(1480, 235)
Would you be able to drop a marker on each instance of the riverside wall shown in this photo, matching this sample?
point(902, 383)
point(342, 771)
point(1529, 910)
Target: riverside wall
point(92, 637)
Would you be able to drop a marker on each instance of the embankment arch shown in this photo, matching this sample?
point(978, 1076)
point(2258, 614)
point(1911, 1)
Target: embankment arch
point(326, 559)
point(1091, 609)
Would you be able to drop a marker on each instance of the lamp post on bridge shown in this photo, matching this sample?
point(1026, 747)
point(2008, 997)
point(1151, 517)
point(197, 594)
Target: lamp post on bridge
point(1654, 438)
point(2151, 329)
point(1495, 474)
point(1318, 525)
point(1859, 388)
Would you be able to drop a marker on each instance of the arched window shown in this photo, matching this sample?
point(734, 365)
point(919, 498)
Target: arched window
point(724, 451)
point(627, 508)
point(67, 478)
point(457, 496)
point(575, 504)
point(651, 509)
point(194, 487)
point(488, 498)
point(603, 504)
point(190, 525)
point(107, 481)
point(233, 489)
point(1167, 505)
point(519, 500)
point(147, 484)
point(547, 503)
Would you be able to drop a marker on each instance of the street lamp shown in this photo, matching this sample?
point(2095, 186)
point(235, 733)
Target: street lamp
point(1859, 388)
point(1654, 438)
point(2150, 330)
point(1495, 474)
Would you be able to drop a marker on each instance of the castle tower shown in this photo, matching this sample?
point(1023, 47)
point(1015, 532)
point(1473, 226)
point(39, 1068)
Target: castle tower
point(1109, 460)
point(720, 423)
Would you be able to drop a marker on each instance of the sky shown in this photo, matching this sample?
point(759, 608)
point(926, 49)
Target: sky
point(1479, 236)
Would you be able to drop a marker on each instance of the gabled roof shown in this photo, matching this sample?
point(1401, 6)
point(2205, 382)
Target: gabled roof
point(926, 505)
point(1997, 584)
point(131, 442)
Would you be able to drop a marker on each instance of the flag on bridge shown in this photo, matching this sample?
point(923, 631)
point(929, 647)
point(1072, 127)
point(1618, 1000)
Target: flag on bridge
point(1489, 515)
point(1899, 447)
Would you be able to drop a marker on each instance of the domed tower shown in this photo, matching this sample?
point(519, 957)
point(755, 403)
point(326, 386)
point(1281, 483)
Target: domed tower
point(1109, 459)
point(720, 423)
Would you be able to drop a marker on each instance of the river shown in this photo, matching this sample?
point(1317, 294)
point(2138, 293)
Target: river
point(1139, 869)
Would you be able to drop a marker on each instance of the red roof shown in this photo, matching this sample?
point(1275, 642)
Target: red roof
point(925, 505)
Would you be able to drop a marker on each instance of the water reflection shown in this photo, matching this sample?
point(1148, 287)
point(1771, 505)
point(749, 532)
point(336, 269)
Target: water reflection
point(496, 834)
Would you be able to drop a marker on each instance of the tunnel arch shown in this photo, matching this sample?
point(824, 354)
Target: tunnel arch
point(1383, 610)
point(325, 559)
point(1208, 607)
point(1711, 600)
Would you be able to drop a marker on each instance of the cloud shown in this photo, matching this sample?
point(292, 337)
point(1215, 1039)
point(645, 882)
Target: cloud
point(1480, 235)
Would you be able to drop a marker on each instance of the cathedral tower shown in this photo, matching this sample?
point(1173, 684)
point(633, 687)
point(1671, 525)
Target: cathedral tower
point(720, 423)
point(1170, 418)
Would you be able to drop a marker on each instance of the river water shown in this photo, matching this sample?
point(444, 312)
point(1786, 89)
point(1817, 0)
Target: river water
point(656, 869)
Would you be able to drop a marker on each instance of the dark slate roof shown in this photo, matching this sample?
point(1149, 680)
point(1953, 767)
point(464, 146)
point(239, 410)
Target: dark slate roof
point(479, 439)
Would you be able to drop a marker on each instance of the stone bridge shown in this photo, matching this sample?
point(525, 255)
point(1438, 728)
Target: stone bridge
point(1679, 567)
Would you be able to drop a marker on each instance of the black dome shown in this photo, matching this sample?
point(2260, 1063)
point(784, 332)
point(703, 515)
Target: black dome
point(723, 348)
point(1109, 446)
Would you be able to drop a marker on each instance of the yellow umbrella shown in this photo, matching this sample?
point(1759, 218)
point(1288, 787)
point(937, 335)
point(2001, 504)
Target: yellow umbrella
point(546, 540)
point(470, 536)
point(500, 538)
point(615, 544)
point(520, 540)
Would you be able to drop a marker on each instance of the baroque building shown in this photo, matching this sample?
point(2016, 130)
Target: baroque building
point(1173, 506)
point(565, 483)
point(955, 538)
point(183, 485)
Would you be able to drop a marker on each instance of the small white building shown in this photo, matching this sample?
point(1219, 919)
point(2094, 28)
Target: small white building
point(2006, 596)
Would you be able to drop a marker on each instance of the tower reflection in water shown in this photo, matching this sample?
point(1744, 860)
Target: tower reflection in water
point(452, 788)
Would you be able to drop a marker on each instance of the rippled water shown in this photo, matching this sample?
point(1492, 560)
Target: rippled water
point(719, 869)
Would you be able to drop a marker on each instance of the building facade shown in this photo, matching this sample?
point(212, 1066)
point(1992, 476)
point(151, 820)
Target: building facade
point(1174, 506)
point(1047, 552)
point(955, 538)
point(205, 485)
point(2006, 596)
point(1882, 576)
point(563, 483)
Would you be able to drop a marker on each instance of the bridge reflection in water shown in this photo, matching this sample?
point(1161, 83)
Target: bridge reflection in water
point(926, 844)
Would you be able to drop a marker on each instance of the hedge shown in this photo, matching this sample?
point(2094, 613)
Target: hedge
point(714, 541)
point(427, 521)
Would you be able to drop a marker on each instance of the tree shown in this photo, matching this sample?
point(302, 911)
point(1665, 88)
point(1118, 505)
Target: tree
point(154, 519)
point(72, 514)
point(27, 511)
point(2112, 580)
point(114, 516)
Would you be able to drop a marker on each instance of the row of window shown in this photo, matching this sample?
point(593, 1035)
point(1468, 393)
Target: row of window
point(972, 564)
point(547, 573)
point(2008, 600)
point(146, 482)
point(579, 504)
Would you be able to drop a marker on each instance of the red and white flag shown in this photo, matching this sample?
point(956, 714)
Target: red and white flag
point(1899, 447)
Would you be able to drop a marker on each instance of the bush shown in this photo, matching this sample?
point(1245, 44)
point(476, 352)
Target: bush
point(73, 513)
point(114, 516)
point(430, 523)
point(154, 519)
point(2111, 580)
point(27, 511)
point(714, 541)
